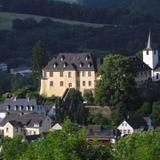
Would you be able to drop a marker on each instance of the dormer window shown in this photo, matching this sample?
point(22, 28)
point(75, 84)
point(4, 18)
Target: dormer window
point(64, 65)
point(89, 65)
point(55, 65)
point(16, 108)
point(81, 65)
point(87, 58)
point(21, 108)
point(8, 108)
point(62, 58)
point(36, 125)
point(27, 108)
point(32, 108)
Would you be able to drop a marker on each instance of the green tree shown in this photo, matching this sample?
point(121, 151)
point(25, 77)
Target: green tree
point(146, 109)
point(88, 96)
point(140, 55)
point(117, 82)
point(73, 107)
point(39, 60)
point(69, 143)
point(139, 146)
point(155, 115)
point(13, 148)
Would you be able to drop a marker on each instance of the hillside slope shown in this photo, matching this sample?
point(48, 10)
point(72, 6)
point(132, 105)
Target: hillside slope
point(6, 19)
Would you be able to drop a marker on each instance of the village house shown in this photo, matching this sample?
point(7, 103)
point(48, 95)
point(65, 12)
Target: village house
point(101, 134)
point(69, 71)
point(25, 124)
point(133, 125)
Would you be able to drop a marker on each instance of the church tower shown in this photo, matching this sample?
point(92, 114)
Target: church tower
point(150, 56)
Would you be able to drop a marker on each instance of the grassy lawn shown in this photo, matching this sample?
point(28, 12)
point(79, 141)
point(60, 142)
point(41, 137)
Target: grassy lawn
point(6, 19)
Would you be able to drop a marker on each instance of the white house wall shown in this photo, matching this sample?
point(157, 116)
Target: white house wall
point(125, 128)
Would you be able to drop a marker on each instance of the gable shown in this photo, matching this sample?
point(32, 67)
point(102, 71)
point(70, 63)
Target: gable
point(124, 125)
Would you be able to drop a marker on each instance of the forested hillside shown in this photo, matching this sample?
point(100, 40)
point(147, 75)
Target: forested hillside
point(128, 23)
point(150, 7)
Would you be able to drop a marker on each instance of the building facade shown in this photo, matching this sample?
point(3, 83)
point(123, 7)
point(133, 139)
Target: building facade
point(69, 71)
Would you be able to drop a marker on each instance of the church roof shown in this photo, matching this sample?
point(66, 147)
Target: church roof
point(157, 68)
point(138, 64)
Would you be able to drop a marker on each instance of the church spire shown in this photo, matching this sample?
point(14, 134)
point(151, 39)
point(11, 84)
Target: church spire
point(149, 41)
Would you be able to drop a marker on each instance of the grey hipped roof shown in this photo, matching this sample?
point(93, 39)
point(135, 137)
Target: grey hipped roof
point(73, 61)
point(27, 120)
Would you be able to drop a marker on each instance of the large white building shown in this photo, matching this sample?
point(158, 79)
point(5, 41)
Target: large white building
point(151, 58)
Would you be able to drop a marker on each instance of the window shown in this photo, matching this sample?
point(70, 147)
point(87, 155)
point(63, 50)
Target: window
point(89, 83)
point(83, 73)
point(16, 108)
point(78, 84)
point(84, 83)
point(157, 76)
point(69, 74)
point(21, 108)
point(8, 108)
point(147, 52)
point(7, 130)
point(55, 65)
point(61, 74)
point(51, 83)
point(70, 85)
point(62, 58)
point(124, 131)
point(81, 65)
point(89, 73)
point(61, 83)
point(64, 65)
point(51, 74)
point(129, 131)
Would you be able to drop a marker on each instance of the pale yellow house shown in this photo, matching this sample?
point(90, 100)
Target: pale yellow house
point(69, 70)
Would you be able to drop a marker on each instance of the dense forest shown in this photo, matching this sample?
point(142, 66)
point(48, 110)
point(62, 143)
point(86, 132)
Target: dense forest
point(129, 14)
point(16, 44)
point(126, 33)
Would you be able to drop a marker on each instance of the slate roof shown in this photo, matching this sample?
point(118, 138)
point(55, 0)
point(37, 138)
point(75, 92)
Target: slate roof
point(73, 61)
point(138, 64)
point(137, 122)
point(100, 132)
point(27, 120)
point(157, 68)
point(15, 123)
point(20, 102)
